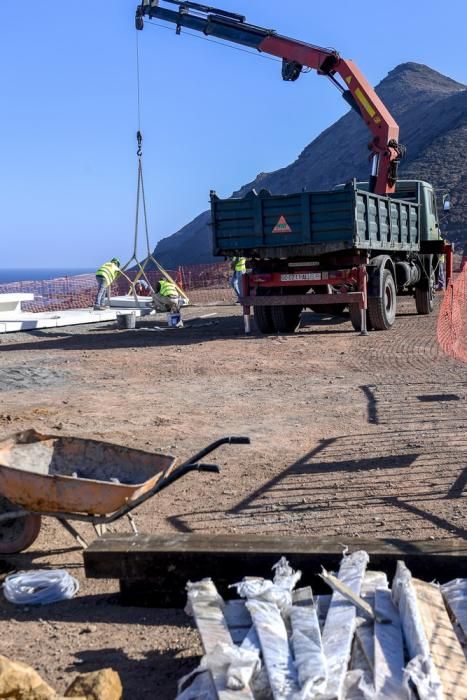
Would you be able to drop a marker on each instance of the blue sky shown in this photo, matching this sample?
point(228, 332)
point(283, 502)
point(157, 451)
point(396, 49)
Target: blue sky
point(212, 117)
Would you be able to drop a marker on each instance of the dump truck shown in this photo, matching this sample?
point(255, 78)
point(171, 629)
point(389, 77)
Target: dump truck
point(356, 247)
point(327, 251)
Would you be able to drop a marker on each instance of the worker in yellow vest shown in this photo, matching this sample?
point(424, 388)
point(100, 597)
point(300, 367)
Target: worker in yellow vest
point(238, 266)
point(166, 297)
point(105, 275)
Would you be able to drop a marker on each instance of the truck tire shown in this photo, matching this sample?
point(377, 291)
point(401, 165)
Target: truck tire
point(17, 534)
point(425, 295)
point(382, 309)
point(263, 315)
point(286, 318)
point(356, 318)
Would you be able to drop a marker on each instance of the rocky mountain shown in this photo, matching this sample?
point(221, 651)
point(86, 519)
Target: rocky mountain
point(431, 110)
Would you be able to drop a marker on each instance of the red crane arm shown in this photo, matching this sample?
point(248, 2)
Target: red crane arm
point(386, 152)
point(385, 149)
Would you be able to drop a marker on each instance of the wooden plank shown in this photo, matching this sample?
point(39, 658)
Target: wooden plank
point(437, 668)
point(213, 630)
point(388, 650)
point(166, 561)
point(421, 668)
point(238, 620)
point(236, 614)
point(365, 631)
point(303, 597)
point(258, 544)
point(251, 641)
point(207, 609)
point(307, 643)
point(371, 581)
point(445, 649)
point(358, 660)
point(323, 602)
point(455, 595)
point(364, 639)
point(275, 647)
point(340, 624)
point(308, 650)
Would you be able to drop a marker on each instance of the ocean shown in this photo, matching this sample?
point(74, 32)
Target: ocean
point(40, 273)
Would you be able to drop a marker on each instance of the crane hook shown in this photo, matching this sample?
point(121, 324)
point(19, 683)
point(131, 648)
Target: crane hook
point(139, 138)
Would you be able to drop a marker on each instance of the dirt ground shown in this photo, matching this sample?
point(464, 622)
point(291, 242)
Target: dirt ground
point(351, 436)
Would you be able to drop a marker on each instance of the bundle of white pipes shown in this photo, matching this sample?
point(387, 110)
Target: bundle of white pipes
point(363, 641)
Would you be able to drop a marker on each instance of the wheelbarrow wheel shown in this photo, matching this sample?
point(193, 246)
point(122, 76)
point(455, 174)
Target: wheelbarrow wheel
point(17, 534)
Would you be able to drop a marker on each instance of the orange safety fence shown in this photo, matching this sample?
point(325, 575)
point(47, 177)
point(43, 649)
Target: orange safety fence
point(452, 319)
point(204, 284)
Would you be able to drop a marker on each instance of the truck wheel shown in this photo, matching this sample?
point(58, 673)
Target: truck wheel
point(263, 315)
point(424, 296)
point(356, 318)
point(17, 534)
point(382, 309)
point(286, 318)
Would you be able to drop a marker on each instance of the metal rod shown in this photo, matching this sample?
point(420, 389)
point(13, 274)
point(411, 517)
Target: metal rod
point(362, 283)
point(69, 528)
point(306, 299)
point(364, 330)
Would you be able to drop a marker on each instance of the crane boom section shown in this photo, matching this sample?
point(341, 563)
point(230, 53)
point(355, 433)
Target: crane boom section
point(385, 150)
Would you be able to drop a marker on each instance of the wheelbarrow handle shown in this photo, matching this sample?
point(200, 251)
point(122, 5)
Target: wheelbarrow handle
point(214, 445)
point(184, 469)
point(203, 467)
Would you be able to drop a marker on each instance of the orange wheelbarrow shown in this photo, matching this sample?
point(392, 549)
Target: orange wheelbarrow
point(72, 478)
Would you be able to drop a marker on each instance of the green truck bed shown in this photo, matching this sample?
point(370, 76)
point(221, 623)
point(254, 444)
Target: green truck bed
point(313, 223)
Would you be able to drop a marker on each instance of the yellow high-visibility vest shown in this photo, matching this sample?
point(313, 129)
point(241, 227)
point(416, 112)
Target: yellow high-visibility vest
point(109, 271)
point(167, 289)
point(239, 264)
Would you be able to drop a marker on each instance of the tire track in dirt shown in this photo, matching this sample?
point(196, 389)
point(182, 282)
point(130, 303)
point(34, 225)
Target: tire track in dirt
point(402, 475)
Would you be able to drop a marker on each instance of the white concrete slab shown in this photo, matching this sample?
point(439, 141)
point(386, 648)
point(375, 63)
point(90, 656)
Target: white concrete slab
point(11, 303)
point(128, 302)
point(22, 321)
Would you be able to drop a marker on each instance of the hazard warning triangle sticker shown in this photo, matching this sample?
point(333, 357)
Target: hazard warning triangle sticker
point(282, 226)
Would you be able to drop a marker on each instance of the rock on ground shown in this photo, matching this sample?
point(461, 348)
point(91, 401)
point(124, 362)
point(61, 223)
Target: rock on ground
point(20, 681)
point(97, 685)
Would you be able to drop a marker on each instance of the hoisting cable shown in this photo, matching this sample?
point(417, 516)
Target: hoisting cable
point(141, 199)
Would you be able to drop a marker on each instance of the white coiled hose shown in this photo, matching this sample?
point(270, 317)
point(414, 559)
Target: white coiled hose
point(39, 587)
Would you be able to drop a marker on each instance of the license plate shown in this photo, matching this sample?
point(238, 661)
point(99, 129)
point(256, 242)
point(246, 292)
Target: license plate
point(301, 276)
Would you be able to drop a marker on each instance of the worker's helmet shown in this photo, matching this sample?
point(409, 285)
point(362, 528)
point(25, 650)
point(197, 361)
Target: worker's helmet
point(116, 261)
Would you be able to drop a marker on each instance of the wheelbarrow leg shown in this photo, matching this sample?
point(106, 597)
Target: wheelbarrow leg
point(132, 523)
point(100, 528)
point(69, 528)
